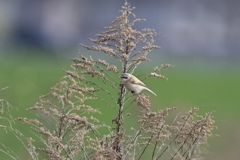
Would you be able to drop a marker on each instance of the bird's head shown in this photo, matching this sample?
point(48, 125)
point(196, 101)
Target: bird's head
point(125, 77)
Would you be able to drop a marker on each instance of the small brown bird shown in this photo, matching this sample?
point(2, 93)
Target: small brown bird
point(133, 84)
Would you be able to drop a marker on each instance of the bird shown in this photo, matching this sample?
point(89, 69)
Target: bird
point(133, 84)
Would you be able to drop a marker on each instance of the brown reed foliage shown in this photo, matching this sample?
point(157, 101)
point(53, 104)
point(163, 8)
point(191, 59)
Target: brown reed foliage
point(68, 123)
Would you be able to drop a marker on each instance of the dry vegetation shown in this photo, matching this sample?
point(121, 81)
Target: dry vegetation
point(65, 122)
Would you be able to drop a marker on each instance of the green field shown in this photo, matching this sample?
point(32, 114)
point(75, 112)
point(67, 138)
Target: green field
point(213, 86)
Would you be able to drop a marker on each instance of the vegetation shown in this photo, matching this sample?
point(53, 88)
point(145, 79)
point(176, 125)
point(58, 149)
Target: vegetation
point(67, 123)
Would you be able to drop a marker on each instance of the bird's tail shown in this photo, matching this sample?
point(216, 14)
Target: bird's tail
point(150, 91)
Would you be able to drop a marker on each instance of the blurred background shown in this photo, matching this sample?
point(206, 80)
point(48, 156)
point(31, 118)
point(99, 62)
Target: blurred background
point(201, 38)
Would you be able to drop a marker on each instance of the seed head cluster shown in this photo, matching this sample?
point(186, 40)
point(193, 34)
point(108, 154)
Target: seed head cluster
point(86, 115)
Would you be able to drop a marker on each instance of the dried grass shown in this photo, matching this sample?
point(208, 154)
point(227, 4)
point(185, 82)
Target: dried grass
point(66, 122)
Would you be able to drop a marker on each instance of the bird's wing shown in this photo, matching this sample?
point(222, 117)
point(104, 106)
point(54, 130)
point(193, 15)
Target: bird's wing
point(134, 80)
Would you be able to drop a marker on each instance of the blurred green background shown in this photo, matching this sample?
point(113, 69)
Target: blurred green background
point(213, 86)
point(38, 39)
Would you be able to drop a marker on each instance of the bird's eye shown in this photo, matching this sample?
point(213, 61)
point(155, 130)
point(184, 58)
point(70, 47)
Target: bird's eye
point(124, 77)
